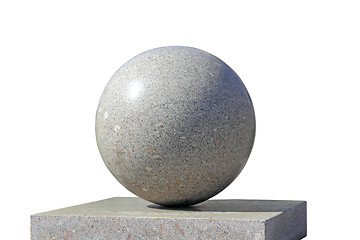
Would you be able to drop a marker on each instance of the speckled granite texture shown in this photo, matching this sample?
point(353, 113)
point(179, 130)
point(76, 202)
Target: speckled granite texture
point(134, 218)
point(175, 125)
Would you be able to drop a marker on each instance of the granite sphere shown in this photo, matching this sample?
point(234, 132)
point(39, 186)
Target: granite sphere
point(175, 125)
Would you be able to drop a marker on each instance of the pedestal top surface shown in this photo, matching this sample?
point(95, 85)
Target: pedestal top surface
point(135, 207)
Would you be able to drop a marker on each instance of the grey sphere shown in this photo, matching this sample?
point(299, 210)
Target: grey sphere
point(175, 125)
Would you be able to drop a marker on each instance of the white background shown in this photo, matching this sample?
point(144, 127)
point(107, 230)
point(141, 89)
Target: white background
point(300, 61)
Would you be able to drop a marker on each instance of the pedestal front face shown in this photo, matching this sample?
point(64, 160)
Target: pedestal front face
point(134, 218)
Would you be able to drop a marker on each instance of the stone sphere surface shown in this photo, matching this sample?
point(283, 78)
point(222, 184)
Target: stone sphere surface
point(175, 125)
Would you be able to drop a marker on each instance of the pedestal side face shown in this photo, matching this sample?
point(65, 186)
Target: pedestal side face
point(290, 224)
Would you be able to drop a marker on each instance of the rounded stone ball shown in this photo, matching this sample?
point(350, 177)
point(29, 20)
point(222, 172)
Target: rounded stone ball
point(175, 125)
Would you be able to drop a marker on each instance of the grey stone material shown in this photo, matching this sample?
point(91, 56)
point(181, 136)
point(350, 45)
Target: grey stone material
point(175, 125)
point(134, 218)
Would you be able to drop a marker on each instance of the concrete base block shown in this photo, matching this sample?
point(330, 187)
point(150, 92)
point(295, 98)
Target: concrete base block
point(134, 218)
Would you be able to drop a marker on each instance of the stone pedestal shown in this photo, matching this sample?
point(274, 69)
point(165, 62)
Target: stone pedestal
point(134, 218)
